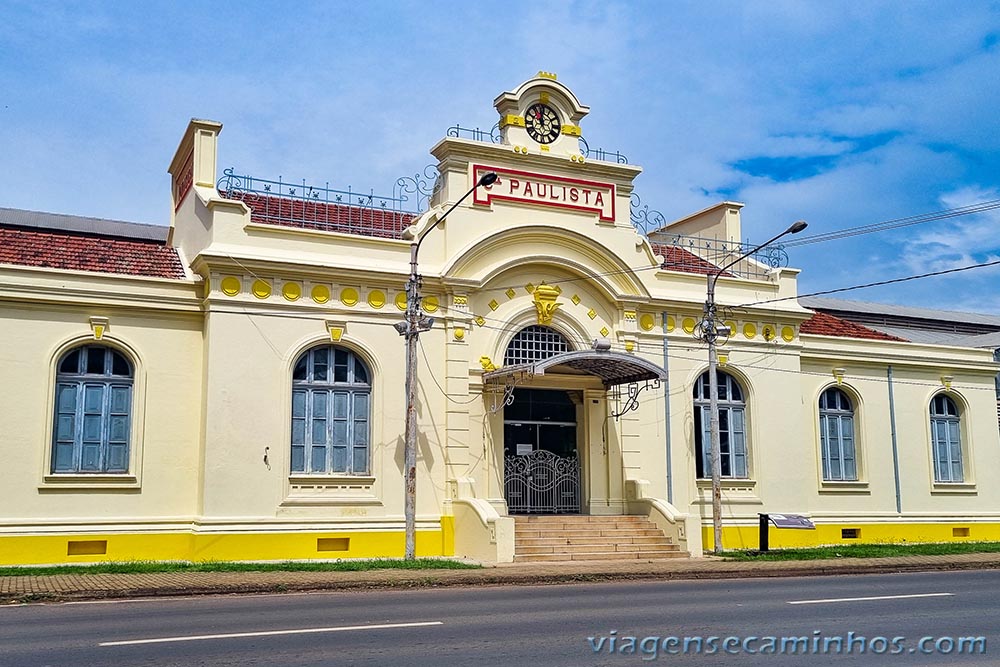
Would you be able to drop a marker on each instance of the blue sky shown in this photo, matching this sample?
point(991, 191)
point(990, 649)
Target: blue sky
point(839, 113)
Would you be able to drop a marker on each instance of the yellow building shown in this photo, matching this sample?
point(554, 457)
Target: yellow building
point(232, 387)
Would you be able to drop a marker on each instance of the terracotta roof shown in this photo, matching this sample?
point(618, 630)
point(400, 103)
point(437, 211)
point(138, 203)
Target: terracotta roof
point(61, 250)
point(822, 324)
point(308, 214)
point(678, 259)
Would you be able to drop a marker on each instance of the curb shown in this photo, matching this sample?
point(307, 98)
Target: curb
point(491, 577)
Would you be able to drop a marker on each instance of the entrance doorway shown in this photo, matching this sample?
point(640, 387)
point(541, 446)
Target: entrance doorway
point(541, 464)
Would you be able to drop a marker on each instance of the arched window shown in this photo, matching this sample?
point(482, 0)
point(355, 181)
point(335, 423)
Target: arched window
point(732, 427)
point(836, 435)
point(946, 440)
point(331, 403)
point(534, 343)
point(93, 410)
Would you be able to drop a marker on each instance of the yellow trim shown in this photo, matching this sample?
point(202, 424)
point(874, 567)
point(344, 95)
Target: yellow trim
point(746, 537)
point(291, 291)
point(688, 324)
point(787, 334)
point(512, 119)
point(349, 296)
point(230, 286)
point(298, 545)
point(376, 298)
point(400, 300)
point(261, 289)
point(320, 293)
point(749, 330)
point(546, 75)
point(604, 331)
point(431, 304)
point(571, 130)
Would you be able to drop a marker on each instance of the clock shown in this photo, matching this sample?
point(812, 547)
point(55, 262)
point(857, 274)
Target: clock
point(542, 123)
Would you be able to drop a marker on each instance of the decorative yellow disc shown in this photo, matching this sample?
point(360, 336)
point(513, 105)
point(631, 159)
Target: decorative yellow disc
point(749, 330)
point(230, 286)
point(401, 300)
point(431, 304)
point(732, 327)
point(349, 296)
point(459, 333)
point(769, 332)
point(261, 289)
point(629, 346)
point(291, 291)
point(787, 334)
point(671, 324)
point(688, 324)
point(647, 322)
point(320, 293)
point(376, 298)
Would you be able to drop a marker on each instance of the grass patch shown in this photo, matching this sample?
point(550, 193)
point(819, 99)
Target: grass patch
point(867, 551)
point(144, 567)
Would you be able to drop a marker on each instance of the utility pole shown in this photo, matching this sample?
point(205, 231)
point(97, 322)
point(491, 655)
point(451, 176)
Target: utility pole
point(710, 332)
point(411, 328)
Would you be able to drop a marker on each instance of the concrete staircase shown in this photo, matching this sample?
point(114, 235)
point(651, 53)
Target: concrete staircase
point(565, 537)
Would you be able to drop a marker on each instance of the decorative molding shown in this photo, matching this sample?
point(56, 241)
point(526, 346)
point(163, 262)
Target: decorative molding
point(99, 326)
point(545, 302)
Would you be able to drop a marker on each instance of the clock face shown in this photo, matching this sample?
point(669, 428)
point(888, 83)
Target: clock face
point(542, 123)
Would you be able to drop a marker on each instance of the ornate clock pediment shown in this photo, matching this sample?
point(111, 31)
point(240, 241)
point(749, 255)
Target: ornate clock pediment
point(541, 113)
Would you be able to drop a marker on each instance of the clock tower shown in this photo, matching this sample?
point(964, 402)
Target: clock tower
point(541, 116)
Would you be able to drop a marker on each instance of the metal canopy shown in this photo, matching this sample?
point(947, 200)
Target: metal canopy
point(613, 368)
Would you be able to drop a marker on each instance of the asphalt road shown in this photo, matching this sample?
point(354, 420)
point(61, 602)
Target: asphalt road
point(529, 626)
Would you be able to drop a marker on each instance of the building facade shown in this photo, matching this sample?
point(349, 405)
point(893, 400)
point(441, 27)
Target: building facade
point(232, 387)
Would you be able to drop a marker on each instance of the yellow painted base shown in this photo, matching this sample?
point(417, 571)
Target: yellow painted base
point(102, 547)
point(747, 537)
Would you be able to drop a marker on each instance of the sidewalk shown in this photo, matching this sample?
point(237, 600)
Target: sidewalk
point(101, 586)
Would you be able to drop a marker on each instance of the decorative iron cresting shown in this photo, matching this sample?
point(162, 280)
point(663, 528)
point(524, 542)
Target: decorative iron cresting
point(421, 187)
point(476, 134)
point(542, 483)
point(601, 154)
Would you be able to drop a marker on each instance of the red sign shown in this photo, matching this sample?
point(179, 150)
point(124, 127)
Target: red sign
point(544, 190)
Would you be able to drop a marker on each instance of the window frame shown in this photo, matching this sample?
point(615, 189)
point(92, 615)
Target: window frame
point(51, 481)
point(825, 414)
point(728, 409)
point(351, 391)
point(959, 443)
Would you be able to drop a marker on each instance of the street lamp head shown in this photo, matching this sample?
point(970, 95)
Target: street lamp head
point(489, 178)
point(797, 227)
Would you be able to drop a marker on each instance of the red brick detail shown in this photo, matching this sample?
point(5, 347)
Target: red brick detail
point(678, 259)
point(822, 324)
point(184, 181)
point(57, 250)
point(309, 214)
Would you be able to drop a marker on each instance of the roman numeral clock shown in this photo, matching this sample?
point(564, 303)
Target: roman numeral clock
point(541, 116)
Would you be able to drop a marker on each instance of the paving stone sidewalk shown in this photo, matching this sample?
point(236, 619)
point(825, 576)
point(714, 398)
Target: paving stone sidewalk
point(20, 589)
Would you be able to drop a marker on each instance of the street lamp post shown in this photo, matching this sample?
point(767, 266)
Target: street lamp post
point(711, 331)
point(414, 325)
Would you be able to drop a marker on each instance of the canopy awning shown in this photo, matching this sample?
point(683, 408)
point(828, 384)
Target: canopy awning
point(613, 368)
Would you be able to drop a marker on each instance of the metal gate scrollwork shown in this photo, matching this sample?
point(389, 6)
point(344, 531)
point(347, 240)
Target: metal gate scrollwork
point(542, 483)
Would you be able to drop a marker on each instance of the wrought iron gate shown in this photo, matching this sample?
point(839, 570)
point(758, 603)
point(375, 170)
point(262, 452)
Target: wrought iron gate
point(542, 483)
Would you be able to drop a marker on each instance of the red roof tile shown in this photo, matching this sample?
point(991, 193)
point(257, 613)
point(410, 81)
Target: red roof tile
point(59, 250)
point(309, 214)
point(678, 259)
point(822, 324)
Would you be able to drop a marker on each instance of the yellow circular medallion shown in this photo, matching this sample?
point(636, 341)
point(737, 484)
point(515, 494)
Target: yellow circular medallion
point(749, 330)
point(230, 286)
point(646, 321)
point(688, 324)
point(459, 333)
point(400, 300)
point(320, 293)
point(261, 289)
point(376, 298)
point(671, 324)
point(430, 304)
point(732, 328)
point(787, 334)
point(349, 296)
point(291, 291)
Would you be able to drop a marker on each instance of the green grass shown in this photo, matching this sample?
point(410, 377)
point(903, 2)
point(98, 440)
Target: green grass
point(867, 551)
point(143, 567)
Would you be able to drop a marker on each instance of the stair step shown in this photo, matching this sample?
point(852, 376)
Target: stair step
point(605, 525)
point(623, 539)
point(636, 556)
point(596, 533)
point(578, 518)
point(593, 548)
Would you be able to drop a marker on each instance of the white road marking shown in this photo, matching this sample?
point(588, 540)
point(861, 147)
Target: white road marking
point(874, 597)
point(269, 633)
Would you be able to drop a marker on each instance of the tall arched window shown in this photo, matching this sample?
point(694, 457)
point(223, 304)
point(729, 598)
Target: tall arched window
point(732, 427)
point(946, 440)
point(836, 434)
point(534, 343)
point(331, 403)
point(93, 410)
